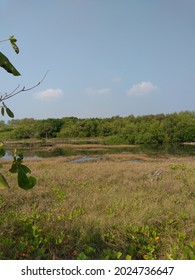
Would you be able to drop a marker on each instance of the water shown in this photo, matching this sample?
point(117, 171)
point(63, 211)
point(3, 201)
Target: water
point(136, 160)
point(34, 152)
point(84, 159)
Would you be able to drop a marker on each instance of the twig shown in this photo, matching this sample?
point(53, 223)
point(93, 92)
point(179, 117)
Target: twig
point(4, 40)
point(15, 92)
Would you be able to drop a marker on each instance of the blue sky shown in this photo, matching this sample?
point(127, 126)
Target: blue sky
point(105, 57)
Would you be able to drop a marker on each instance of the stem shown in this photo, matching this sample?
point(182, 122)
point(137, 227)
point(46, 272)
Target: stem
point(4, 40)
point(17, 90)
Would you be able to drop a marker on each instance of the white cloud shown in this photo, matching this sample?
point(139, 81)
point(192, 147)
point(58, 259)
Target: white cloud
point(49, 94)
point(100, 91)
point(142, 89)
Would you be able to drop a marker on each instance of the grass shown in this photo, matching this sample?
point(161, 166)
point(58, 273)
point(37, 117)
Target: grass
point(113, 208)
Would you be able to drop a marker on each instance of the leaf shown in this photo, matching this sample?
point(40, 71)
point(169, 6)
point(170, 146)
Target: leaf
point(3, 182)
point(2, 111)
point(9, 112)
point(13, 43)
point(128, 257)
point(14, 168)
point(32, 181)
point(2, 152)
point(25, 169)
point(25, 182)
point(6, 64)
point(119, 255)
point(22, 179)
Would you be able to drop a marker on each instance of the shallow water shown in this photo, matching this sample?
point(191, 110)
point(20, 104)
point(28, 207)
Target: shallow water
point(84, 159)
point(88, 154)
point(136, 160)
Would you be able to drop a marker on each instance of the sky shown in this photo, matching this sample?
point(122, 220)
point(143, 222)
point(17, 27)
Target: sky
point(104, 57)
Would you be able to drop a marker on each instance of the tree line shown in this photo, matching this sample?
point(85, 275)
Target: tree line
point(147, 129)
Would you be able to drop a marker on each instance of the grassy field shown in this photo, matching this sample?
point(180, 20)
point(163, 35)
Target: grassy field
point(113, 208)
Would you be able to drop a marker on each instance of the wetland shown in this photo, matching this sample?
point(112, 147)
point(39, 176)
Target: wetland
point(96, 201)
point(89, 148)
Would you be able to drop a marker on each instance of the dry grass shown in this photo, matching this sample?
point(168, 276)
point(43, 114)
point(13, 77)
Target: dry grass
point(88, 201)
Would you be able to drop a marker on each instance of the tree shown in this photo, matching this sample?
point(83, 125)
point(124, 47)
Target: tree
point(24, 180)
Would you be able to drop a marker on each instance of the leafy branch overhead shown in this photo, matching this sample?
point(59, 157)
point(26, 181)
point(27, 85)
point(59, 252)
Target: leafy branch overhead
point(6, 64)
point(4, 61)
point(25, 181)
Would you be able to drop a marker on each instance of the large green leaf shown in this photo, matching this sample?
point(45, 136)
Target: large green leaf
point(9, 112)
point(25, 182)
point(22, 178)
point(6, 64)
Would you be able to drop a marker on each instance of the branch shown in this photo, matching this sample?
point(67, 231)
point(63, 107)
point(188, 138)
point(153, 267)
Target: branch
point(4, 40)
point(16, 91)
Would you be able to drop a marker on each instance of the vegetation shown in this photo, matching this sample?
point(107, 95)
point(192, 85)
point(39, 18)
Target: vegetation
point(4, 61)
point(149, 129)
point(109, 209)
point(24, 181)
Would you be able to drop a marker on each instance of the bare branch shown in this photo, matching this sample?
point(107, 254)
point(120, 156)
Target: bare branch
point(4, 40)
point(24, 89)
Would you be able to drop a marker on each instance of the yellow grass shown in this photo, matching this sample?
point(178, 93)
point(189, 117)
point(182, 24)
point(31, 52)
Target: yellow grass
point(98, 201)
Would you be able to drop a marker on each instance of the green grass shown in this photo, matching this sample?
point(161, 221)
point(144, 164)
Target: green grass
point(110, 209)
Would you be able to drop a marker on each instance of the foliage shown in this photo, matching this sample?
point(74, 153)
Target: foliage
point(142, 243)
point(24, 181)
point(4, 61)
point(6, 64)
point(149, 129)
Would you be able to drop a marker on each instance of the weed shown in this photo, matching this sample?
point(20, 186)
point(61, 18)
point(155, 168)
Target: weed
point(183, 249)
point(144, 243)
point(76, 213)
point(59, 194)
point(87, 253)
point(179, 166)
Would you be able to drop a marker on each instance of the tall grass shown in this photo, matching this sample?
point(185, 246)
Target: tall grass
point(114, 208)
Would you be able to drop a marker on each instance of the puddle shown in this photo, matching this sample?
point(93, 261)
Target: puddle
point(84, 159)
point(136, 160)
